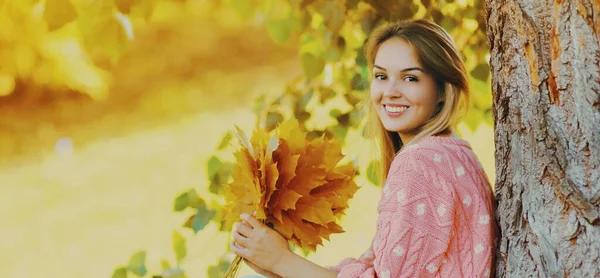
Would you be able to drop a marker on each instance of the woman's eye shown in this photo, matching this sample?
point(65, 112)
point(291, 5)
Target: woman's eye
point(380, 77)
point(411, 79)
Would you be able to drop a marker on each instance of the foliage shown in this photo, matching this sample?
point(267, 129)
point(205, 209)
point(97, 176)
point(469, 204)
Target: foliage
point(294, 185)
point(82, 47)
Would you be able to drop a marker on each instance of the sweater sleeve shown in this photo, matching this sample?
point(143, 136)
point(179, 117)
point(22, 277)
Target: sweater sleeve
point(415, 222)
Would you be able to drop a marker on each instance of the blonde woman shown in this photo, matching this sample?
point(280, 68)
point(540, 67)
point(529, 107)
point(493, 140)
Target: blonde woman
point(436, 212)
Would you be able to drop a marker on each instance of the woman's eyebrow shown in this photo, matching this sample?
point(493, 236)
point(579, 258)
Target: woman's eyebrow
point(403, 70)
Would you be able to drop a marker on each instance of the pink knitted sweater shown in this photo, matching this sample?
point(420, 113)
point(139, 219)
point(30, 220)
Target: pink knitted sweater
point(435, 216)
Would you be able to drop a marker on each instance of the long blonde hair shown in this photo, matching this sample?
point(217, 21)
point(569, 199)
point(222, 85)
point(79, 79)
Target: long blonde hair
point(440, 58)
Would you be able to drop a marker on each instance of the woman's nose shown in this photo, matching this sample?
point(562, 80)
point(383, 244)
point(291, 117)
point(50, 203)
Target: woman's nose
point(393, 90)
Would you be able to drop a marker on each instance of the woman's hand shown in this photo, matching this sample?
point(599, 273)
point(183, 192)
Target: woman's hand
point(259, 245)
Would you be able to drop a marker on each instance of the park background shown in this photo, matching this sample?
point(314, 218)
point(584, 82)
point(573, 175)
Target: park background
point(112, 111)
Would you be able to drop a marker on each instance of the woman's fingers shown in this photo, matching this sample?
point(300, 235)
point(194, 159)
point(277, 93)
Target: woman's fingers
point(243, 228)
point(240, 239)
point(240, 251)
point(251, 220)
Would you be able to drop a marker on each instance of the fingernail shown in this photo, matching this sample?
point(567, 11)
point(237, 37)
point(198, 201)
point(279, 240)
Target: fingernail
point(254, 213)
point(244, 216)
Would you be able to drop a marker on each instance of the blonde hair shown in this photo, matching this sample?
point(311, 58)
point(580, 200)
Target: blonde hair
point(440, 58)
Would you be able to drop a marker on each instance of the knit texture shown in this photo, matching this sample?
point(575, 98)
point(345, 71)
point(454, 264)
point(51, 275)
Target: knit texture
point(435, 216)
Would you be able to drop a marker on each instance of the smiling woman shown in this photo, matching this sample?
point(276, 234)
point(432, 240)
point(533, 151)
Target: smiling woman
point(435, 213)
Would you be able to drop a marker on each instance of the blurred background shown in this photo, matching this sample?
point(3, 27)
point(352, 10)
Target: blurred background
point(115, 121)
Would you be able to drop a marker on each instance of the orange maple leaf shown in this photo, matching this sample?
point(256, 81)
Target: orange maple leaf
point(292, 183)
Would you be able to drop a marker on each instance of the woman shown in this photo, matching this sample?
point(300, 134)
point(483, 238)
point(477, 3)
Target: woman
point(436, 211)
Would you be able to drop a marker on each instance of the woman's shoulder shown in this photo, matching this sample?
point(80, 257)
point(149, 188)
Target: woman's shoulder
point(429, 146)
point(432, 154)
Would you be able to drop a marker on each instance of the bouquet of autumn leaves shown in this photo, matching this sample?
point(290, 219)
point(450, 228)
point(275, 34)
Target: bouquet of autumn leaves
point(294, 185)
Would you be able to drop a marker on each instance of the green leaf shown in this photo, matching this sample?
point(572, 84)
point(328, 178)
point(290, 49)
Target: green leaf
point(179, 246)
point(137, 263)
point(280, 30)
point(219, 270)
point(361, 63)
point(272, 120)
point(220, 178)
point(57, 13)
point(181, 202)
point(481, 72)
point(373, 173)
point(188, 199)
point(194, 201)
point(203, 216)
point(312, 66)
point(225, 141)
point(214, 165)
point(120, 272)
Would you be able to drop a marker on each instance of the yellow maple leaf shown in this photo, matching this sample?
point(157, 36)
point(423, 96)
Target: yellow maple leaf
point(315, 209)
point(295, 184)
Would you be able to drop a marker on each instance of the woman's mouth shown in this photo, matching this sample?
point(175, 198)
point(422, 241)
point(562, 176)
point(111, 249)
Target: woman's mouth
point(395, 110)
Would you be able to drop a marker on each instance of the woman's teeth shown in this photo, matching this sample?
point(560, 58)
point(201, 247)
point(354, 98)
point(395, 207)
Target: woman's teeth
point(395, 109)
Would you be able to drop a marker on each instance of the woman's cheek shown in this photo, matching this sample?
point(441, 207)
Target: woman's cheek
point(376, 92)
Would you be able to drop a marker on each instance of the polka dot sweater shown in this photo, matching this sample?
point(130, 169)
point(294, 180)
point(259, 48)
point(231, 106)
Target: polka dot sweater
point(435, 216)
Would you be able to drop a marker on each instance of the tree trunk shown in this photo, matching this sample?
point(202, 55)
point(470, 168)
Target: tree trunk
point(545, 63)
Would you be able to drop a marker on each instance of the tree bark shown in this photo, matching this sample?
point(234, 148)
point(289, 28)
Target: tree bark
point(545, 64)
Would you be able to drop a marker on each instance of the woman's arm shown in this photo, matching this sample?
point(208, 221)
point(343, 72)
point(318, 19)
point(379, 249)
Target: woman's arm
point(269, 251)
point(293, 265)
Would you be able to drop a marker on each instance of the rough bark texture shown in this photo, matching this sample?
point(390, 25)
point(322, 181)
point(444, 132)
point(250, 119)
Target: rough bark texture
point(545, 63)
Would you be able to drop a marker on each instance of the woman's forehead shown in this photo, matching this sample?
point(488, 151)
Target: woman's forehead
point(396, 53)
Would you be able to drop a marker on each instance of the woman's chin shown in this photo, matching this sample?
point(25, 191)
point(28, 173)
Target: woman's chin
point(395, 128)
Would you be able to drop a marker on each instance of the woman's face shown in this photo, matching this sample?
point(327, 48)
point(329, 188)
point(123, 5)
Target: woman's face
point(404, 96)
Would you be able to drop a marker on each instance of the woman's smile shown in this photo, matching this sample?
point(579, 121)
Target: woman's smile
point(395, 110)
